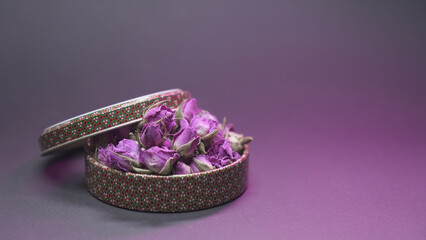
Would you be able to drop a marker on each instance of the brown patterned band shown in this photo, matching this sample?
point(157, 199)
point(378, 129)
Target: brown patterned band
point(176, 193)
point(104, 119)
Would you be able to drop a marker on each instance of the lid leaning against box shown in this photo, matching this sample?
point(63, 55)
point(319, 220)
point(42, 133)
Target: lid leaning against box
point(71, 133)
point(206, 162)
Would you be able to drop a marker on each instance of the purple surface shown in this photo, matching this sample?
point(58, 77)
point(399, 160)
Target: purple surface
point(333, 93)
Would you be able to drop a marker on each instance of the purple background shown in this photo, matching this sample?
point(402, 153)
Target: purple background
point(333, 93)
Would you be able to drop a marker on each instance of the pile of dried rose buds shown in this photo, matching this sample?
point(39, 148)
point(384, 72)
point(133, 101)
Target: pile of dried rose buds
point(188, 140)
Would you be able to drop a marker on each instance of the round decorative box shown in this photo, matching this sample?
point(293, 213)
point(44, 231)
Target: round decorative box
point(176, 193)
point(152, 193)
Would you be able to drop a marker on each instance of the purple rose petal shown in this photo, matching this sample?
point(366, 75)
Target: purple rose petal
point(184, 123)
point(194, 167)
point(207, 115)
point(166, 143)
point(181, 169)
point(190, 109)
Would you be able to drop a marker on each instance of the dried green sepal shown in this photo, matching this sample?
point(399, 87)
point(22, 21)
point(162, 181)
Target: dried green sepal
point(202, 148)
point(132, 161)
point(182, 151)
point(203, 165)
point(211, 135)
point(167, 169)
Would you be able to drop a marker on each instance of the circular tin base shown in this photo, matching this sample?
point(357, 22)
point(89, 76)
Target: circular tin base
point(176, 193)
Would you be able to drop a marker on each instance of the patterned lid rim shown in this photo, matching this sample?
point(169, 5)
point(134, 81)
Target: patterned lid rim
point(72, 142)
point(70, 133)
point(138, 99)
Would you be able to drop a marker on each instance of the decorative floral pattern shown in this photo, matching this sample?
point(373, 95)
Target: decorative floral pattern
point(176, 193)
point(116, 115)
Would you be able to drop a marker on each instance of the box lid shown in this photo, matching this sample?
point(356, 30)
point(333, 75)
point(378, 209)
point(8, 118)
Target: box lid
point(71, 133)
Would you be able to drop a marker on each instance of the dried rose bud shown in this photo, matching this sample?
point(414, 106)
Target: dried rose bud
point(159, 160)
point(123, 157)
point(238, 141)
point(161, 114)
point(188, 109)
point(151, 135)
point(185, 142)
point(203, 126)
point(221, 153)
